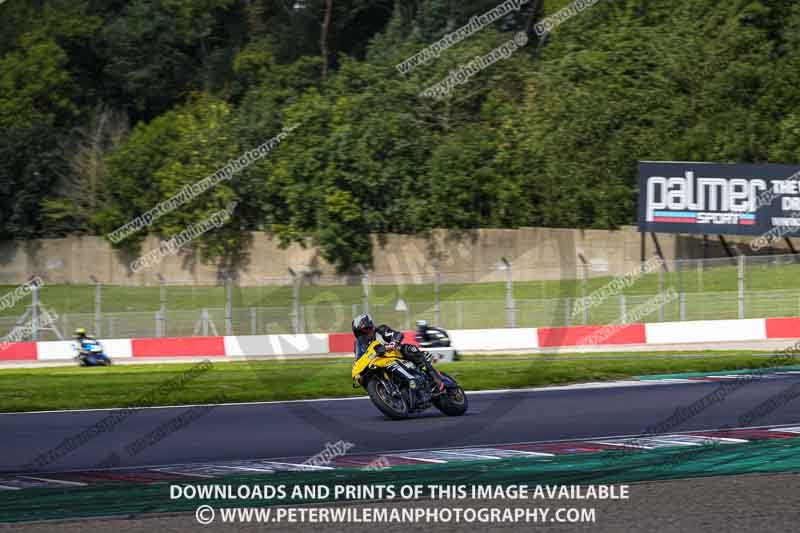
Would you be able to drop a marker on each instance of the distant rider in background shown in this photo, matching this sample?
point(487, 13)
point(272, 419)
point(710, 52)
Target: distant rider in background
point(423, 338)
point(366, 333)
point(80, 338)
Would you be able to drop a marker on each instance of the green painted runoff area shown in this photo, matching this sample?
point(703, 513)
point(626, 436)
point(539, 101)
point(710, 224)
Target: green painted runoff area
point(770, 456)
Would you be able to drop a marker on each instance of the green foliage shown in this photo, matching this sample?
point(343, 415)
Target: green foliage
point(550, 136)
point(177, 149)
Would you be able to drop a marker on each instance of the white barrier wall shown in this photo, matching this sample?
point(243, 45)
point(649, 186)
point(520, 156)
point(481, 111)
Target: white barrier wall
point(55, 350)
point(491, 339)
point(464, 340)
point(276, 345)
point(706, 331)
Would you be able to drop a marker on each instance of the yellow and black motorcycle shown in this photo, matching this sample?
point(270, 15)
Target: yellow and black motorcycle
point(399, 388)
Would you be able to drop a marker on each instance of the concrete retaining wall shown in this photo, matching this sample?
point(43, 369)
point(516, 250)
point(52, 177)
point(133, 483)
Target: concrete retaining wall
point(537, 254)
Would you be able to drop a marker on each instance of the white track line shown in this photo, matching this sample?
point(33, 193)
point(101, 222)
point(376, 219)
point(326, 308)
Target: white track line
point(676, 442)
point(408, 458)
point(467, 454)
point(625, 444)
point(169, 470)
point(576, 386)
point(401, 453)
point(302, 466)
point(262, 470)
point(58, 481)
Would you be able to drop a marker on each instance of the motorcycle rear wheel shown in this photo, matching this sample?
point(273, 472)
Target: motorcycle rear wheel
point(379, 393)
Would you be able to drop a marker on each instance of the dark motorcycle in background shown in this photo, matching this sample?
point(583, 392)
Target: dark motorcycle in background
point(429, 337)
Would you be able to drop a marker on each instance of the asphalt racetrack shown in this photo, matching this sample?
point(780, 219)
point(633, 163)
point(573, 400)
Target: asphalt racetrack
point(297, 429)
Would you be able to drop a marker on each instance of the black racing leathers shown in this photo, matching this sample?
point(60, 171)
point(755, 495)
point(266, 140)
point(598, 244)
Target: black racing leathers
point(383, 332)
point(409, 352)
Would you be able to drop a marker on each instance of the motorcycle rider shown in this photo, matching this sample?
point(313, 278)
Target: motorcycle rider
point(80, 337)
point(425, 340)
point(366, 333)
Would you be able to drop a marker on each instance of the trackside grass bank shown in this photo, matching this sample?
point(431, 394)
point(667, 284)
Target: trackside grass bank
point(128, 386)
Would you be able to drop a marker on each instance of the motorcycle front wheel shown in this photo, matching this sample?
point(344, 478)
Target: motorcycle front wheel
point(453, 402)
point(388, 404)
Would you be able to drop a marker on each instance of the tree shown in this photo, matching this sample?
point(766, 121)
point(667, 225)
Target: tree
point(35, 104)
point(84, 191)
point(177, 149)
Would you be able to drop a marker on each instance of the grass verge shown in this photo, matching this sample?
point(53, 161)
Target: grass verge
point(124, 386)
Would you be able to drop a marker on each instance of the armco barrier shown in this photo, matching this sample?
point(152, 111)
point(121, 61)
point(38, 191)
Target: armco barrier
point(583, 335)
point(176, 347)
point(18, 351)
point(783, 328)
point(276, 345)
point(464, 340)
point(706, 331)
point(486, 339)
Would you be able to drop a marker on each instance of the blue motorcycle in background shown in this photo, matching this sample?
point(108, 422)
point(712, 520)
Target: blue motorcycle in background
point(90, 353)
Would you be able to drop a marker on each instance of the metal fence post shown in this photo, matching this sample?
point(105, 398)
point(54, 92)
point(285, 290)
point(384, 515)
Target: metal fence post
point(253, 327)
point(682, 307)
point(297, 279)
point(296, 307)
point(204, 321)
point(159, 324)
point(741, 286)
point(98, 315)
point(700, 267)
point(35, 312)
point(437, 287)
point(162, 304)
point(365, 283)
point(228, 304)
point(460, 314)
point(511, 311)
point(681, 295)
point(567, 311)
point(661, 291)
point(623, 310)
point(584, 295)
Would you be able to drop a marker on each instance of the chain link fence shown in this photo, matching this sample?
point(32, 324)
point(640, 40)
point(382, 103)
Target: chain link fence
point(726, 288)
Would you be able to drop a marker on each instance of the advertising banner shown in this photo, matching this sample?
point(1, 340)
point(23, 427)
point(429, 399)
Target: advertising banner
point(735, 199)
